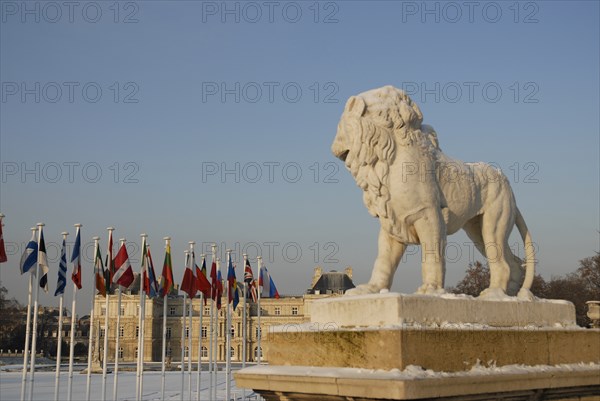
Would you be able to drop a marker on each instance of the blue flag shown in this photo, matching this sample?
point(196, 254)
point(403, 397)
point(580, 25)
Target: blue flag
point(62, 271)
point(29, 257)
point(236, 295)
point(232, 283)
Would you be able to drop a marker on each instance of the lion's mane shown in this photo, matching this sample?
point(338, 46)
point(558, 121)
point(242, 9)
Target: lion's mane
point(390, 120)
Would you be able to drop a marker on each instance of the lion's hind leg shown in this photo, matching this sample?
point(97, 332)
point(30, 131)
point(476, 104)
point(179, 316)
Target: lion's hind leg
point(496, 225)
point(517, 273)
point(473, 230)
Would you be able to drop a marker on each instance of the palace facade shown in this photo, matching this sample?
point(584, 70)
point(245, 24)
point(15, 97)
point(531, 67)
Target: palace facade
point(290, 311)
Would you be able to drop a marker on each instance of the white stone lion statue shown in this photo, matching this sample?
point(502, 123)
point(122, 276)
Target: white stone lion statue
point(420, 196)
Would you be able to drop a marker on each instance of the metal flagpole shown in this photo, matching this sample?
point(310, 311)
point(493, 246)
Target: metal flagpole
point(141, 349)
point(58, 347)
point(117, 331)
point(217, 337)
point(191, 311)
point(183, 315)
point(27, 333)
point(244, 324)
point(72, 340)
point(108, 284)
point(140, 317)
point(198, 376)
point(213, 300)
point(143, 334)
point(91, 335)
point(210, 347)
point(200, 339)
point(164, 332)
point(228, 331)
point(259, 334)
point(35, 313)
point(59, 335)
point(189, 347)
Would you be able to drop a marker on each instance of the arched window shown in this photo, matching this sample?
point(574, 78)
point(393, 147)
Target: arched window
point(136, 352)
point(120, 352)
point(187, 352)
point(232, 331)
point(231, 352)
point(204, 351)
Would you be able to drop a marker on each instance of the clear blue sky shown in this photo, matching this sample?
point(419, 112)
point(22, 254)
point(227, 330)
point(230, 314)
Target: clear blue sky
point(516, 84)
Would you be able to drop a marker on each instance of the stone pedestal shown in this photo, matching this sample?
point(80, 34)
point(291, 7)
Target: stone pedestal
point(394, 346)
point(393, 309)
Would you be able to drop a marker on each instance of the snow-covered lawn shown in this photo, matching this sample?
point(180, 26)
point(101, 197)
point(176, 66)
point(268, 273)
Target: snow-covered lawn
point(10, 386)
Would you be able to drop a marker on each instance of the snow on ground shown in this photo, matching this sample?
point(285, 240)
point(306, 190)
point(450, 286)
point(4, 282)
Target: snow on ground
point(10, 386)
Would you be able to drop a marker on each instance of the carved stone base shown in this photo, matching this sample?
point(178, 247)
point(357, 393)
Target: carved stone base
point(441, 350)
point(324, 384)
point(398, 347)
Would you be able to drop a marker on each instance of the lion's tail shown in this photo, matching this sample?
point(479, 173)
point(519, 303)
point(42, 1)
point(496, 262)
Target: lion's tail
point(529, 252)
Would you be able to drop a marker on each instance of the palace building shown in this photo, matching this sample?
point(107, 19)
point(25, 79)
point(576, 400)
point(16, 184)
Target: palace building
point(288, 311)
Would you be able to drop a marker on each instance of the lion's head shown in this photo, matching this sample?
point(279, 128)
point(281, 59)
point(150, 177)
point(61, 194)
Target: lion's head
point(373, 125)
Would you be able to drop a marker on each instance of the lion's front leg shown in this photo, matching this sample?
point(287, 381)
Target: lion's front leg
point(390, 252)
point(431, 230)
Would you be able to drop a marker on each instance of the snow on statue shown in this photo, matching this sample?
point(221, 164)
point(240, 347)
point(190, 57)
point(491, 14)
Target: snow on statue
point(420, 195)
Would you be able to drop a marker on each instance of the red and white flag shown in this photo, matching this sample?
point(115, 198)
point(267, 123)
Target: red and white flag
point(188, 284)
point(123, 274)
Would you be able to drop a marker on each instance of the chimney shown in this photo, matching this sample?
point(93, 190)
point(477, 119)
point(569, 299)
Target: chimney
point(318, 272)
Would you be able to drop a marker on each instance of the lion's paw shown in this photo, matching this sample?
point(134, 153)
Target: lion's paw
point(526, 295)
point(493, 294)
point(430, 289)
point(363, 289)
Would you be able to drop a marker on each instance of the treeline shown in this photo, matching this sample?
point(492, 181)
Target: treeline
point(578, 287)
point(13, 317)
point(12, 323)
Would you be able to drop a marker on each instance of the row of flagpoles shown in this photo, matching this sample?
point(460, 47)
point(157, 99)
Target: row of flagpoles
point(118, 275)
